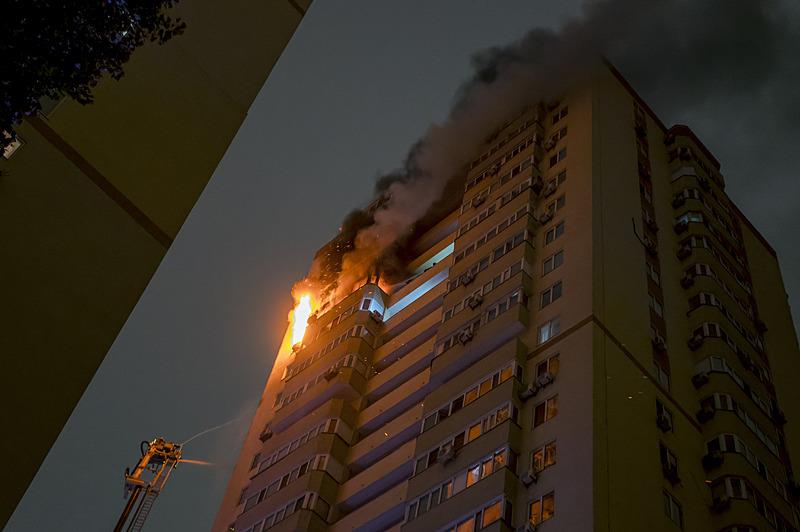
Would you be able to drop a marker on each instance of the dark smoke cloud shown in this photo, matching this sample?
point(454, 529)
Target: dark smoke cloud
point(698, 61)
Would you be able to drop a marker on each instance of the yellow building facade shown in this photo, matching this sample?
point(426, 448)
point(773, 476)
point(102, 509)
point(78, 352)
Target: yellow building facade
point(595, 339)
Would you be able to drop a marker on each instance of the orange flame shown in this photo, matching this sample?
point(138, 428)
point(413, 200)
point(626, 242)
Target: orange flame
point(299, 317)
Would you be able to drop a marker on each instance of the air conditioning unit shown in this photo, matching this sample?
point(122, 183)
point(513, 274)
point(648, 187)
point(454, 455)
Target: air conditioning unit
point(720, 503)
point(545, 217)
point(331, 374)
point(713, 460)
point(650, 247)
point(545, 379)
point(651, 224)
point(550, 143)
point(475, 301)
point(530, 476)
point(530, 391)
point(684, 153)
point(704, 183)
point(266, 434)
point(706, 414)
point(687, 281)
point(659, 344)
point(681, 227)
point(467, 278)
point(671, 474)
point(478, 200)
point(761, 327)
point(663, 423)
point(684, 252)
point(465, 336)
point(678, 201)
point(700, 379)
point(695, 342)
point(446, 454)
point(376, 316)
point(550, 188)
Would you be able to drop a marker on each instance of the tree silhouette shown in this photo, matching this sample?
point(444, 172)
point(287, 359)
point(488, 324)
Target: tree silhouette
point(56, 48)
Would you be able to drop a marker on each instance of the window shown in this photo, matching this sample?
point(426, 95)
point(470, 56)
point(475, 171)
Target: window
point(552, 262)
point(672, 509)
point(549, 329)
point(544, 457)
point(557, 204)
point(662, 375)
point(255, 461)
point(656, 305)
point(558, 157)
point(542, 509)
point(468, 434)
point(479, 389)
point(668, 459)
point(551, 294)
point(241, 496)
point(663, 413)
point(550, 365)
point(545, 411)
point(491, 514)
point(554, 232)
point(653, 273)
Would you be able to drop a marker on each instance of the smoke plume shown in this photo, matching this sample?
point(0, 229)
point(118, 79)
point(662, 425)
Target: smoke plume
point(681, 54)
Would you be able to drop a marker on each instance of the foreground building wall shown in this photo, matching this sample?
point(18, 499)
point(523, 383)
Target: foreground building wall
point(596, 347)
point(92, 200)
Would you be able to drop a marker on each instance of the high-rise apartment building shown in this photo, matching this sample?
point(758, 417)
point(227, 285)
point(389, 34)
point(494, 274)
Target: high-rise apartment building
point(93, 197)
point(595, 339)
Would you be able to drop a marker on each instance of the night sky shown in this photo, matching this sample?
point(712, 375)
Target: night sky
point(357, 85)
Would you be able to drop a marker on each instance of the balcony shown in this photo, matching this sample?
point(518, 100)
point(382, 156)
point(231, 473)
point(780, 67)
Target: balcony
point(381, 442)
point(301, 520)
point(316, 481)
point(507, 432)
point(381, 513)
point(346, 384)
point(393, 469)
point(500, 483)
point(488, 338)
point(399, 372)
point(406, 341)
point(395, 402)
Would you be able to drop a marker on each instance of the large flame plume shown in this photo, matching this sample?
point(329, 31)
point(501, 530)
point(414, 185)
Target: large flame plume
point(298, 317)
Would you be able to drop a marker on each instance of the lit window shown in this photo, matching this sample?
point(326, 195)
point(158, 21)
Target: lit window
point(549, 329)
point(491, 513)
point(548, 366)
point(545, 411)
point(542, 509)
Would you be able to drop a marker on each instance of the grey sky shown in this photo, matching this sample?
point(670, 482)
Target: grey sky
point(359, 82)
